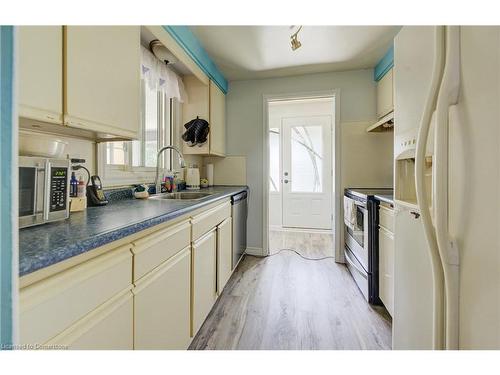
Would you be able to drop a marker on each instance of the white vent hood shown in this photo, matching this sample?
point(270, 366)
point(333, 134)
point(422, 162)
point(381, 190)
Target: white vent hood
point(385, 124)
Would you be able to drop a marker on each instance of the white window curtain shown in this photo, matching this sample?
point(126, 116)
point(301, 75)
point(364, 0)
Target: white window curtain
point(158, 76)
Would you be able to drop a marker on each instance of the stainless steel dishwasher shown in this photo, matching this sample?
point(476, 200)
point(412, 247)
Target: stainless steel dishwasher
point(239, 213)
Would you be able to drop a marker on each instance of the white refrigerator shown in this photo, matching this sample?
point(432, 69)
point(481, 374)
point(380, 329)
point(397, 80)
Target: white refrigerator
point(447, 185)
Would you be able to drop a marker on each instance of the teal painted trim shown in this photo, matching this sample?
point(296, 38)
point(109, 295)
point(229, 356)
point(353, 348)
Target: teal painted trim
point(188, 41)
point(384, 65)
point(6, 140)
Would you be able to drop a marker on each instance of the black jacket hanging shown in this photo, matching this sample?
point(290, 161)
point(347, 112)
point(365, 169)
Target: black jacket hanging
point(196, 132)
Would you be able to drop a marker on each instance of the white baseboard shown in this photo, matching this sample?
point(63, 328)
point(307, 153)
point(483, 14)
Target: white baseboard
point(257, 251)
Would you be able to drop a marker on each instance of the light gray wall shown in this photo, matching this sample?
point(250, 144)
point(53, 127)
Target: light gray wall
point(244, 118)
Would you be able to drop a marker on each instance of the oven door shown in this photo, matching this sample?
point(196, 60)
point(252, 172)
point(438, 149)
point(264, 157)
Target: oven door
point(31, 193)
point(356, 235)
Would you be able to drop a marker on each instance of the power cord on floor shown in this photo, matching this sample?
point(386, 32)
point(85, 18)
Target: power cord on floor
point(293, 251)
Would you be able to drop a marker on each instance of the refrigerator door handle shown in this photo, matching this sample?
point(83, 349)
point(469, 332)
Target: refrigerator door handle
point(423, 203)
point(448, 96)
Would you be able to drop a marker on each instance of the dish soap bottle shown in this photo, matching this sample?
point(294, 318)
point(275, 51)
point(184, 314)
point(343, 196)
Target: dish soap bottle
point(73, 185)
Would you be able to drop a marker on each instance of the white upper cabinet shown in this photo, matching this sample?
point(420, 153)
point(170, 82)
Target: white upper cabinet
point(102, 79)
point(40, 67)
point(207, 102)
point(385, 100)
point(217, 121)
point(197, 105)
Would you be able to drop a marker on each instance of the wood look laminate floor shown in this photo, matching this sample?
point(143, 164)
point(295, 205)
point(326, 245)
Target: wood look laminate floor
point(315, 244)
point(286, 302)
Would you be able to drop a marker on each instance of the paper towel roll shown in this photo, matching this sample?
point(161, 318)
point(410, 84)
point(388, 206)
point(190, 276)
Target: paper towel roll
point(210, 174)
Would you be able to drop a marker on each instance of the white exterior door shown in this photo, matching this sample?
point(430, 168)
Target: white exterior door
point(307, 172)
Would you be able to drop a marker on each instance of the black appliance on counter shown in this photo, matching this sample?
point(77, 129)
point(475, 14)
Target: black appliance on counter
point(361, 238)
point(95, 194)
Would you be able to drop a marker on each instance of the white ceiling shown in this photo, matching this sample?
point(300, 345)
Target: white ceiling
point(250, 52)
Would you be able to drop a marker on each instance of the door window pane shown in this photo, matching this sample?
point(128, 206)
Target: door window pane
point(274, 160)
point(307, 159)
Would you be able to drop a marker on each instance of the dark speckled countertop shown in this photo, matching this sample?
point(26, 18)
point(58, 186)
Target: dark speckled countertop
point(44, 245)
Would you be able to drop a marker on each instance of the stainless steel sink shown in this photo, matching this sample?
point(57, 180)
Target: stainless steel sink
point(185, 195)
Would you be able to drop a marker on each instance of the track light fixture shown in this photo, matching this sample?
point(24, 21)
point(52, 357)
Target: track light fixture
point(294, 39)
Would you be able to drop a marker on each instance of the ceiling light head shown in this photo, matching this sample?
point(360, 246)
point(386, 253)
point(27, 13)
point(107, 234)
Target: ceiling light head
point(161, 52)
point(294, 41)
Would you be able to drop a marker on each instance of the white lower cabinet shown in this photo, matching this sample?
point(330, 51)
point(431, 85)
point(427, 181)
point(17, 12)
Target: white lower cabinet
point(108, 327)
point(204, 290)
point(162, 305)
point(154, 293)
point(50, 306)
point(224, 253)
point(386, 268)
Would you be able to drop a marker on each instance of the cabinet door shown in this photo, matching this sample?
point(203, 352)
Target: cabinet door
point(204, 291)
point(162, 305)
point(217, 121)
point(50, 306)
point(102, 81)
point(108, 327)
point(224, 253)
point(385, 95)
point(386, 268)
point(40, 67)
point(198, 105)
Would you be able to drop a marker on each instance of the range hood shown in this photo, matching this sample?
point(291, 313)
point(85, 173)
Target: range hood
point(385, 124)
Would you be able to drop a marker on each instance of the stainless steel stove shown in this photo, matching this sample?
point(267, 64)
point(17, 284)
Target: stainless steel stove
point(361, 238)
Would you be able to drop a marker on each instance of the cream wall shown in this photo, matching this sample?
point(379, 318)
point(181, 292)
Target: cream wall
point(366, 158)
point(244, 104)
point(81, 149)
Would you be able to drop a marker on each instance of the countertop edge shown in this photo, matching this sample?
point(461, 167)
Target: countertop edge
point(106, 238)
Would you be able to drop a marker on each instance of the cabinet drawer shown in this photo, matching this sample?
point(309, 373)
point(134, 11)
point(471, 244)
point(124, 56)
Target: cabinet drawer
point(208, 220)
point(108, 327)
point(50, 306)
point(156, 248)
point(386, 218)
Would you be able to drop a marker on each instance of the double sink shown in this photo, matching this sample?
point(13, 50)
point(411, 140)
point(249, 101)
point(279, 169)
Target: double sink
point(184, 195)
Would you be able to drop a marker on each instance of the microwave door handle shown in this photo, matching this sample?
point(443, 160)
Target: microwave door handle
point(46, 192)
point(35, 191)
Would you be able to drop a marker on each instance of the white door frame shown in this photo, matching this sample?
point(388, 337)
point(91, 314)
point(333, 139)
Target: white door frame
point(336, 182)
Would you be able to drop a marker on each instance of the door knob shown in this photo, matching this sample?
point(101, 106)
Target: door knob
point(416, 215)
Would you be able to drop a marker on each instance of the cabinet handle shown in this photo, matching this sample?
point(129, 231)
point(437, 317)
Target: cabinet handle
point(416, 215)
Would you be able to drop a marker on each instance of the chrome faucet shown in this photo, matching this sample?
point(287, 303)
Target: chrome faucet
point(181, 161)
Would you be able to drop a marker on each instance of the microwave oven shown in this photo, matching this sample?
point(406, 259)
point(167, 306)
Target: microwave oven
point(43, 190)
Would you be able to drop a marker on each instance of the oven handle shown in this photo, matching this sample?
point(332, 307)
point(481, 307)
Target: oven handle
point(351, 262)
point(46, 193)
point(360, 204)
